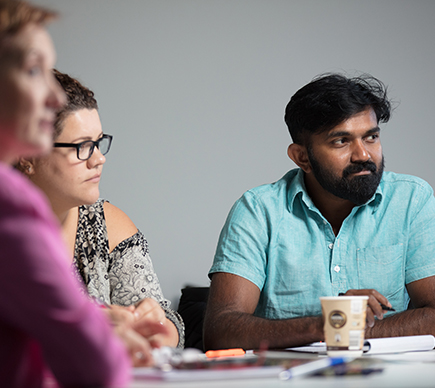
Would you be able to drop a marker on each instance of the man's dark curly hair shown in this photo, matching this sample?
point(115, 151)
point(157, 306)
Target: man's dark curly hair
point(329, 100)
point(78, 97)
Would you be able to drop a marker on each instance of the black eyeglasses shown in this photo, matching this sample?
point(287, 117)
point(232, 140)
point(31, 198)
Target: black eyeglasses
point(85, 149)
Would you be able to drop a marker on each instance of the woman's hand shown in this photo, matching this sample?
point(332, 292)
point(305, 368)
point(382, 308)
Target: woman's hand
point(149, 322)
point(120, 315)
point(148, 312)
point(136, 334)
point(138, 347)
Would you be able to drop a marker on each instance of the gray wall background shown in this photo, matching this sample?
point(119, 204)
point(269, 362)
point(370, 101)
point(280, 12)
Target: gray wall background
point(194, 93)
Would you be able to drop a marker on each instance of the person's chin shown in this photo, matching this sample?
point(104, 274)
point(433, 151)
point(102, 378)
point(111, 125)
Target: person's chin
point(91, 199)
point(39, 148)
point(43, 135)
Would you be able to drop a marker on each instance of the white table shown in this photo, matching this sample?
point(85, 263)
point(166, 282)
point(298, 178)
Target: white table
point(408, 370)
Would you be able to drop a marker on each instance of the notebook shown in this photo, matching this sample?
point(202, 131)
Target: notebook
point(415, 343)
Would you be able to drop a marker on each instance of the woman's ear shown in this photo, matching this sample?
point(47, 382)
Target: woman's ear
point(298, 153)
point(25, 166)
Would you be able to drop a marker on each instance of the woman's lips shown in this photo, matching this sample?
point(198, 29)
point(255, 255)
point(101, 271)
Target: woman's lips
point(94, 179)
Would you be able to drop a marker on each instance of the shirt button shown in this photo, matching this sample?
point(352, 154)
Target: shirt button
point(337, 268)
point(330, 246)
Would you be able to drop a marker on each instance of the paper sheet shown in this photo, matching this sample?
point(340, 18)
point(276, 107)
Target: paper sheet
point(388, 345)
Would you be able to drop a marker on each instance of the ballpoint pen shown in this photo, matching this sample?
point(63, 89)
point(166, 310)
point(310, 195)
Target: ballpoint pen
point(312, 367)
point(386, 308)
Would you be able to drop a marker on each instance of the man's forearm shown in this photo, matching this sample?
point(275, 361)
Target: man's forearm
point(243, 330)
point(411, 322)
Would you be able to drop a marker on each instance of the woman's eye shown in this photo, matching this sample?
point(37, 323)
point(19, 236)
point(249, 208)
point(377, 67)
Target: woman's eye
point(82, 146)
point(34, 70)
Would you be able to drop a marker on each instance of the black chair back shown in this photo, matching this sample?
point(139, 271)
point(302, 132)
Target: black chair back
point(193, 302)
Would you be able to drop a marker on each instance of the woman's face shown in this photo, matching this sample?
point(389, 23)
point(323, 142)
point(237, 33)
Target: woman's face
point(29, 94)
point(68, 181)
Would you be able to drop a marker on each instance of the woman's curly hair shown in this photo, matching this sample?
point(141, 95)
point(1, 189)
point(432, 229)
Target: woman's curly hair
point(78, 97)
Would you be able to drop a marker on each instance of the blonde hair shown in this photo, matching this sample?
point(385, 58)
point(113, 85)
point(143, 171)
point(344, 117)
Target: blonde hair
point(17, 14)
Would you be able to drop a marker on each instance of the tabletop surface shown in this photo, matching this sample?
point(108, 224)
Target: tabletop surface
point(416, 369)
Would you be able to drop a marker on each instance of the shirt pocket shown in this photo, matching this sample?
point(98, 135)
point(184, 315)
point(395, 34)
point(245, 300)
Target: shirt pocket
point(382, 269)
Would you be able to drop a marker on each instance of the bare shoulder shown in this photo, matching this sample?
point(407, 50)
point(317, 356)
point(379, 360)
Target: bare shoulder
point(119, 225)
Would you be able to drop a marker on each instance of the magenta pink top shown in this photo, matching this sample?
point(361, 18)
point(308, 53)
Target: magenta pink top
point(45, 319)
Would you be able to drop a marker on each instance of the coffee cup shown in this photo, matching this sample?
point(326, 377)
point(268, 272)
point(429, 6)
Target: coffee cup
point(344, 324)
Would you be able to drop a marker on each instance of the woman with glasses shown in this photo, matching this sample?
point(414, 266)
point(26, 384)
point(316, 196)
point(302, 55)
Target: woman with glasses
point(110, 254)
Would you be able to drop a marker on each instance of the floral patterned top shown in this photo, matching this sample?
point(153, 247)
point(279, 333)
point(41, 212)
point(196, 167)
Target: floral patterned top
point(122, 277)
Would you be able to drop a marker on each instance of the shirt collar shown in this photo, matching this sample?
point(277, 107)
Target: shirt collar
point(297, 189)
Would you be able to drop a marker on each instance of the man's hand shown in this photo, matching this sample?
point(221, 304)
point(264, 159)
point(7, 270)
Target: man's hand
point(374, 302)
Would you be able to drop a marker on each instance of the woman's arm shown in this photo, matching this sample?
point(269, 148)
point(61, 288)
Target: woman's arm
point(40, 298)
point(135, 280)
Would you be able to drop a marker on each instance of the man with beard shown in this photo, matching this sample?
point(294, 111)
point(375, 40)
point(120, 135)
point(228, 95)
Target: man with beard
point(338, 224)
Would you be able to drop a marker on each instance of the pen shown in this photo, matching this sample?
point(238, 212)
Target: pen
point(386, 308)
point(311, 367)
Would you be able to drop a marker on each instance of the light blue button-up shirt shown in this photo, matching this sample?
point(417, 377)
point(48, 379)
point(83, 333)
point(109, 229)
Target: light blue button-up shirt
point(276, 238)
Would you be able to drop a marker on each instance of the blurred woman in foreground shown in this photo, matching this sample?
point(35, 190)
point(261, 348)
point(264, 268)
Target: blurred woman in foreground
point(44, 317)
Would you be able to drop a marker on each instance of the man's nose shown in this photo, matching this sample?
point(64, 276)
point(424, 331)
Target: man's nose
point(359, 152)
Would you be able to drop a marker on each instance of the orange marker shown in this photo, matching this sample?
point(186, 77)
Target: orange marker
point(224, 353)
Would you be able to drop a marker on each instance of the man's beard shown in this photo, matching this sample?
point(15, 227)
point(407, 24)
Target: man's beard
point(358, 189)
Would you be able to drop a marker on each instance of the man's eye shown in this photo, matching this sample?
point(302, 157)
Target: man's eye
point(340, 141)
point(373, 137)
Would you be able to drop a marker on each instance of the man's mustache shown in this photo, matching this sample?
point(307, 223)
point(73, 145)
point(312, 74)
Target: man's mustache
point(358, 167)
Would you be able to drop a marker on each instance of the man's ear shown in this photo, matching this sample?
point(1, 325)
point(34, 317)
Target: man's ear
point(25, 166)
point(298, 153)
